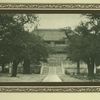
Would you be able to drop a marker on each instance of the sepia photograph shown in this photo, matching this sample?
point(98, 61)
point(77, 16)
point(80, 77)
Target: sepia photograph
point(49, 47)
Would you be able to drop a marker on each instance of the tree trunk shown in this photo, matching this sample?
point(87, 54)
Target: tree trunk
point(14, 69)
point(3, 66)
point(91, 69)
point(78, 67)
point(26, 66)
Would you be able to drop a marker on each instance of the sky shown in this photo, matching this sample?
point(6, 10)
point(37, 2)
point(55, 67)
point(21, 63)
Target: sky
point(56, 21)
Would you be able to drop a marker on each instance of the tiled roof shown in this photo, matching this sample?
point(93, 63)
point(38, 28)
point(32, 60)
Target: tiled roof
point(51, 34)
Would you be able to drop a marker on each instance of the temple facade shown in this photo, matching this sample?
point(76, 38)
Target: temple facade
point(55, 38)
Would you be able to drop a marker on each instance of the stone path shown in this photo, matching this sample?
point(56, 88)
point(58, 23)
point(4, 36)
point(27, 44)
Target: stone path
point(52, 77)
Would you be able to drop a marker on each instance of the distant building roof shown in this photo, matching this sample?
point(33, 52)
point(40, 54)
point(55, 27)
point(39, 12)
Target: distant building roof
point(51, 34)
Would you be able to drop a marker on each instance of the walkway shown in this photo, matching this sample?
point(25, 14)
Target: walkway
point(52, 77)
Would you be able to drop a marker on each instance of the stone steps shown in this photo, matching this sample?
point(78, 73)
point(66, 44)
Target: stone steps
point(45, 70)
point(59, 70)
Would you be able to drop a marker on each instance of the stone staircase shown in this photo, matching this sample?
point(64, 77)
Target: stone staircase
point(54, 61)
point(52, 70)
point(45, 70)
point(59, 70)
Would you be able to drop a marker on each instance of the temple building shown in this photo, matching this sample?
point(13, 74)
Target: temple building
point(55, 38)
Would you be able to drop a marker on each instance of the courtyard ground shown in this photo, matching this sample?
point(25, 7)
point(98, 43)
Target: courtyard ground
point(43, 78)
point(78, 78)
point(22, 78)
point(68, 78)
point(39, 78)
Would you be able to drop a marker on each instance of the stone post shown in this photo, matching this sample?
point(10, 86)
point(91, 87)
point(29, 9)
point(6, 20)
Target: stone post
point(62, 67)
point(10, 69)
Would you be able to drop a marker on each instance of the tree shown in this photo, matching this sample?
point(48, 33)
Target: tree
point(12, 31)
point(36, 50)
point(71, 35)
point(94, 22)
point(19, 44)
point(84, 45)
